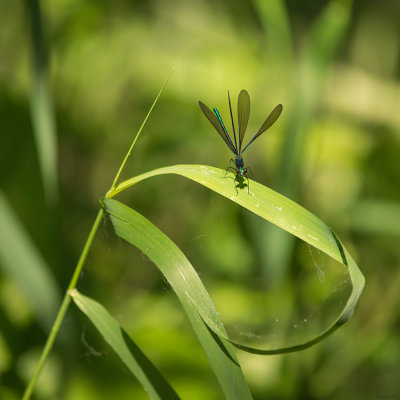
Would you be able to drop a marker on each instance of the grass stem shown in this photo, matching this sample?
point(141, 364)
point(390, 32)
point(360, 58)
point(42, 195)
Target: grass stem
point(64, 307)
point(74, 280)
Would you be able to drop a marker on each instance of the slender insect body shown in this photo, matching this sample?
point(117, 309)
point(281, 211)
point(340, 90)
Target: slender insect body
point(235, 146)
point(240, 168)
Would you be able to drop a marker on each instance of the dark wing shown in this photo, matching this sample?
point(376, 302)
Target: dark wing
point(275, 113)
point(216, 124)
point(243, 114)
point(233, 124)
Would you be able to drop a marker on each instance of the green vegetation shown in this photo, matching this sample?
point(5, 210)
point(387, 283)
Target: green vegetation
point(255, 277)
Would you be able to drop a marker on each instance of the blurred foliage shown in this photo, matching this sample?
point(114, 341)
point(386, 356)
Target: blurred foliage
point(107, 60)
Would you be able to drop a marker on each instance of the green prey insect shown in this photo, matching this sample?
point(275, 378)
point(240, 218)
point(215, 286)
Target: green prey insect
point(235, 146)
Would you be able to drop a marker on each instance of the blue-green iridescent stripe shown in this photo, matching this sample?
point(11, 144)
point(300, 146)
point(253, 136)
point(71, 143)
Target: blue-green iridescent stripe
point(228, 138)
point(220, 120)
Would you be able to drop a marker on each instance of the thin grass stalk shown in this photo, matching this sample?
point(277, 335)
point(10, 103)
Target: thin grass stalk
point(81, 262)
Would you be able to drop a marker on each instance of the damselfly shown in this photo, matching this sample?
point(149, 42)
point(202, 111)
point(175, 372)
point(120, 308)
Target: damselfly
point(235, 146)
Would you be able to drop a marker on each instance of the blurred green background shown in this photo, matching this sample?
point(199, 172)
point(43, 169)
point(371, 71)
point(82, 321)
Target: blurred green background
point(334, 65)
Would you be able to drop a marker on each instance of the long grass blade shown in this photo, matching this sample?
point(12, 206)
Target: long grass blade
point(262, 201)
point(137, 230)
point(117, 175)
point(275, 21)
point(23, 264)
point(43, 119)
point(141, 367)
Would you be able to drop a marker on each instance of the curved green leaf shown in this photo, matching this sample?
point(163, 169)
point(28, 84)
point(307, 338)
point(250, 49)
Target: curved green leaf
point(262, 201)
point(146, 373)
point(140, 232)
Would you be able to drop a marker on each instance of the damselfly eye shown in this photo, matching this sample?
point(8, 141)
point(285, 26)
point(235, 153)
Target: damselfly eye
point(237, 171)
